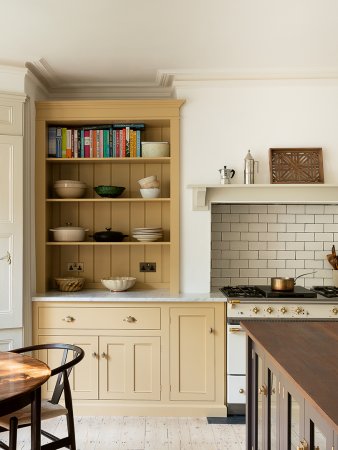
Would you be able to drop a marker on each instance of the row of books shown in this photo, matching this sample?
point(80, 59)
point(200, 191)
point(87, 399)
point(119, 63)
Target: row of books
point(97, 141)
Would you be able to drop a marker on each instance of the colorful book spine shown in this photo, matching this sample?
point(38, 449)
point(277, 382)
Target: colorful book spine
point(118, 144)
point(87, 143)
point(52, 142)
point(106, 143)
point(132, 143)
point(138, 143)
point(136, 126)
point(64, 143)
point(94, 143)
point(59, 142)
point(127, 141)
point(123, 142)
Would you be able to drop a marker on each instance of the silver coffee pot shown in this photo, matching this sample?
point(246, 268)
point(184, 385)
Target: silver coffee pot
point(249, 169)
point(226, 175)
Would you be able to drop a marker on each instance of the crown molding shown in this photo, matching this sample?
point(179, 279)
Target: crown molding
point(166, 81)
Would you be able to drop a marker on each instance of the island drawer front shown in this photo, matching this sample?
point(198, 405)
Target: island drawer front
point(100, 318)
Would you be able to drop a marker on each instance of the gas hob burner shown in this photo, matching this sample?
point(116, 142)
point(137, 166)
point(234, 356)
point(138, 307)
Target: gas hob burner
point(326, 291)
point(241, 291)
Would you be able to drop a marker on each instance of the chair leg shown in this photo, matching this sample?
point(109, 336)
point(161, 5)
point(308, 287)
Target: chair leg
point(13, 432)
point(71, 430)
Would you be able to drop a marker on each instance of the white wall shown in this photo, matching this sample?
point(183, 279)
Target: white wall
point(221, 121)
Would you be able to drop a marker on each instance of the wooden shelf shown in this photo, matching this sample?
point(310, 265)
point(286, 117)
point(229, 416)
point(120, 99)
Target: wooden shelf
point(156, 243)
point(140, 160)
point(100, 200)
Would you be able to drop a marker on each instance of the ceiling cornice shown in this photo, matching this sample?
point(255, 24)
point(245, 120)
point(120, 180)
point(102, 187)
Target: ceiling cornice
point(165, 82)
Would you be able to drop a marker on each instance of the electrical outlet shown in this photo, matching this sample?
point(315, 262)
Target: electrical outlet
point(79, 267)
point(147, 267)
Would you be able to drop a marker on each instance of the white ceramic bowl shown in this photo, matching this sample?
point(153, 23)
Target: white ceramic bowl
point(70, 191)
point(69, 183)
point(155, 149)
point(150, 193)
point(151, 184)
point(69, 234)
point(71, 284)
point(117, 284)
point(146, 180)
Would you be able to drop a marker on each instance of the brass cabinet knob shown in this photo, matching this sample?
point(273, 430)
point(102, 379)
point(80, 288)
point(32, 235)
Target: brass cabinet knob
point(104, 355)
point(94, 355)
point(269, 310)
point(241, 391)
point(68, 319)
point(255, 310)
point(211, 330)
point(335, 310)
point(283, 310)
point(129, 319)
point(303, 445)
point(263, 390)
point(299, 310)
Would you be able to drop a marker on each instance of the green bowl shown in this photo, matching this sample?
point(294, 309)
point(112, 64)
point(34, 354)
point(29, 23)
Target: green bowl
point(109, 191)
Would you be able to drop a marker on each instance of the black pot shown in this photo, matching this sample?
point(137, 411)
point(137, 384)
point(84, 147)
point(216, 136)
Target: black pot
point(108, 236)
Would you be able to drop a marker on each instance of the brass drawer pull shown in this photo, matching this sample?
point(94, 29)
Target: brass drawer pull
point(94, 355)
point(104, 355)
point(263, 390)
point(129, 319)
point(235, 330)
point(68, 319)
point(241, 391)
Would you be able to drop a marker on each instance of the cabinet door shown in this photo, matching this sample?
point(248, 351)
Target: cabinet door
point(11, 231)
point(192, 353)
point(84, 376)
point(292, 418)
point(318, 433)
point(130, 367)
point(273, 406)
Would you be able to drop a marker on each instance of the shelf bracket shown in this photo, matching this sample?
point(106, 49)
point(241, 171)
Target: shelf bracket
point(199, 195)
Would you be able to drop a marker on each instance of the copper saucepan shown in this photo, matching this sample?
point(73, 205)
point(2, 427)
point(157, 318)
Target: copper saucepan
point(285, 284)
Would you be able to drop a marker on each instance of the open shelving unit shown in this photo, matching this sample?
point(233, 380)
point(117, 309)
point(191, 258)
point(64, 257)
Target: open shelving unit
point(100, 260)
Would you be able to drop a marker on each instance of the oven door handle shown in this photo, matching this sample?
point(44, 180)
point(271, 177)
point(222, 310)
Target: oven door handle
point(236, 330)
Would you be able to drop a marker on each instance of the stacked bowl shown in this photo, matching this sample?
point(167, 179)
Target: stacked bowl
point(69, 188)
point(148, 234)
point(150, 187)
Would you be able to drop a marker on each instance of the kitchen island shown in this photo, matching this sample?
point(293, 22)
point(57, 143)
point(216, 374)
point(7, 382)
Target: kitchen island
point(292, 385)
point(146, 352)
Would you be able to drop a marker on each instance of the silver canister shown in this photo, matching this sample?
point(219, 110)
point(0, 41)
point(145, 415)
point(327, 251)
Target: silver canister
point(249, 169)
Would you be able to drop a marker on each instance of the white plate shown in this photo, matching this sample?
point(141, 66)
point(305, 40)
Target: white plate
point(137, 230)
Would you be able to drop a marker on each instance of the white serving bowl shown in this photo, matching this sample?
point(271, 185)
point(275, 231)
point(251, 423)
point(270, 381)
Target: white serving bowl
point(69, 234)
point(118, 284)
point(151, 184)
point(69, 188)
point(146, 180)
point(155, 149)
point(71, 284)
point(150, 193)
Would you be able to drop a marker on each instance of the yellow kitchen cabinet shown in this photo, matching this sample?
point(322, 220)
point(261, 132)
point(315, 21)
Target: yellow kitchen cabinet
point(84, 376)
point(192, 353)
point(141, 358)
point(130, 367)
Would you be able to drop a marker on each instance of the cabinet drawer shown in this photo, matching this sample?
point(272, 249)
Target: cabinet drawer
point(100, 318)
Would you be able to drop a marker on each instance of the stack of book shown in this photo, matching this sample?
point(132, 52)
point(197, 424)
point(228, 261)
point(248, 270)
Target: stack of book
point(119, 140)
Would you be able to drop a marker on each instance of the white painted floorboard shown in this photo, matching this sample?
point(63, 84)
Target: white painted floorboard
point(143, 433)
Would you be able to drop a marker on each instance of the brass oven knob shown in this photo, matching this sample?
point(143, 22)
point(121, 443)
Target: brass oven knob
point(255, 310)
point(269, 310)
point(299, 310)
point(283, 310)
point(335, 311)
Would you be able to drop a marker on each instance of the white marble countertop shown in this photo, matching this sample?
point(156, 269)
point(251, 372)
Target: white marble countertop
point(96, 295)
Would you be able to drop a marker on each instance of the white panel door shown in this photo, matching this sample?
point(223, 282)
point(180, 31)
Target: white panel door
point(11, 231)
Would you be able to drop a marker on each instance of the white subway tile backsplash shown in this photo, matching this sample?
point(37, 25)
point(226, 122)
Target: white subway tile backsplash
point(249, 218)
point(294, 245)
point(279, 227)
point(305, 218)
point(239, 226)
point(286, 218)
point(258, 245)
point(279, 209)
point(314, 209)
point(305, 237)
point(324, 218)
point(251, 243)
point(295, 209)
point(305, 255)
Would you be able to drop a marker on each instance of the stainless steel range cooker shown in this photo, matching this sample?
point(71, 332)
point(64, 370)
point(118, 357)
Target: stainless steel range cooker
point(261, 303)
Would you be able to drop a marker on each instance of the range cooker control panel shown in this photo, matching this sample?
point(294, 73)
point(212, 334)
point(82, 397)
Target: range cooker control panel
point(239, 309)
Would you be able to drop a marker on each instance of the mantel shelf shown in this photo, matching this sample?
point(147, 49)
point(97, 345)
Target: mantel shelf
point(204, 194)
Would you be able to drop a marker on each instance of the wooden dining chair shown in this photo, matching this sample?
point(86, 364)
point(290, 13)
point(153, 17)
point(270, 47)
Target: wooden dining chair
point(71, 356)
